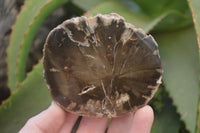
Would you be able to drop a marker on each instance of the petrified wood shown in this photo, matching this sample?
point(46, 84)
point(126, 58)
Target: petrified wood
point(101, 66)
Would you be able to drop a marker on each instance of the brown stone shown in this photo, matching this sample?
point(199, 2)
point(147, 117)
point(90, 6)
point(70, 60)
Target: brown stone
point(101, 66)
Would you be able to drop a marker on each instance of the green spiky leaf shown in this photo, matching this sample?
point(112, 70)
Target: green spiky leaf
point(179, 55)
point(31, 98)
point(27, 24)
point(167, 120)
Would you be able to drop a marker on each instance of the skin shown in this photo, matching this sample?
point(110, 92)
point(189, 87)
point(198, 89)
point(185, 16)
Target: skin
point(56, 120)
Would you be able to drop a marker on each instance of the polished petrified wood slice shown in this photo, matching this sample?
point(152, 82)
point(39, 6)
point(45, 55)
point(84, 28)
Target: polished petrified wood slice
point(101, 66)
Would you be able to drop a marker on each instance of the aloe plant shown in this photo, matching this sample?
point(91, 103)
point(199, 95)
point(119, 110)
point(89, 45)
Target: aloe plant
point(175, 24)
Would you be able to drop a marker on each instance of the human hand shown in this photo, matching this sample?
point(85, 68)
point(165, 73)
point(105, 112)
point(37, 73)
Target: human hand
point(56, 120)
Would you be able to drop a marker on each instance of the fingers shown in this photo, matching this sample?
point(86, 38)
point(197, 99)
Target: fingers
point(142, 120)
point(55, 119)
point(50, 120)
point(120, 124)
point(140, 123)
point(92, 125)
point(69, 123)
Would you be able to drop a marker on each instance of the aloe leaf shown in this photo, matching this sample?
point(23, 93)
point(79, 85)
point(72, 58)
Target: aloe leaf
point(46, 10)
point(174, 20)
point(181, 16)
point(166, 121)
point(155, 7)
point(87, 4)
point(179, 55)
point(195, 9)
point(31, 98)
point(28, 21)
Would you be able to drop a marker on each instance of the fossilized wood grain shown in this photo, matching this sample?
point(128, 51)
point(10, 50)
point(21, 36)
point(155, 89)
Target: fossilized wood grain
point(101, 66)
